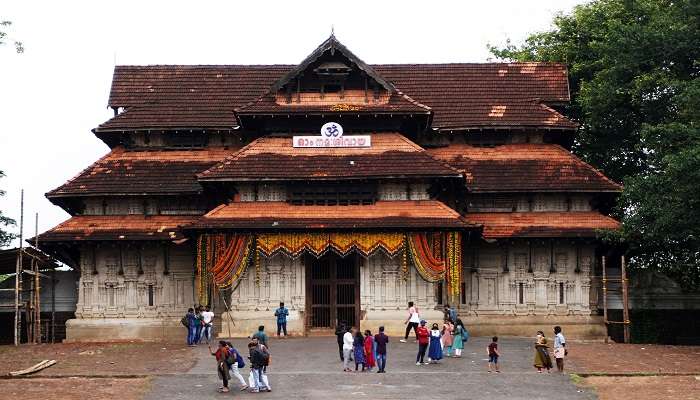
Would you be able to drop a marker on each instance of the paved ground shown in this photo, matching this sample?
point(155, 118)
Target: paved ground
point(309, 368)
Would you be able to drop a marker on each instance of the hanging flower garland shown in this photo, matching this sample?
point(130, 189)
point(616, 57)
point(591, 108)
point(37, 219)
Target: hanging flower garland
point(429, 268)
point(221, 261)
point(294, 244)
point(454, 263)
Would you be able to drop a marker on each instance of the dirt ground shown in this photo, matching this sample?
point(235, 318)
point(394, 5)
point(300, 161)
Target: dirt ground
point(74, 388)
point(619, 358)
point(645, 387)
point(101, 359)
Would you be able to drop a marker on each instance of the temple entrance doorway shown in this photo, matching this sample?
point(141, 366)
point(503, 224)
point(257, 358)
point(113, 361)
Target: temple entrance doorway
point(332, 291)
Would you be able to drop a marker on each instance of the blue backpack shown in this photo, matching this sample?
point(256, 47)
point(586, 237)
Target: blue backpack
point(239, 358)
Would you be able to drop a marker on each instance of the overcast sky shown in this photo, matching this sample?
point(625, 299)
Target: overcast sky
point(56, 92)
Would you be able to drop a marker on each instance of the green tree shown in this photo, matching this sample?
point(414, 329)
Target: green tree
point(5, 236)
point(633, 68)
point(4, 25)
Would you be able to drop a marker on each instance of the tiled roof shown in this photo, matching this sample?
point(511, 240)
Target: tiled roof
point(419, 214)
point(542, 224)
point(118, 227)
point(168, 116)
point(143, 172)
point(272, 158)
point(460, 95)
point(524, 168)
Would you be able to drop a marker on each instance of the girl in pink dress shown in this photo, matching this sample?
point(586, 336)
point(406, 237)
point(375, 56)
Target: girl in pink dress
point(447, 338)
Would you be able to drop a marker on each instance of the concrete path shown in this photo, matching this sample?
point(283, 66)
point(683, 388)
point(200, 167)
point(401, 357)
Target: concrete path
point(309, 368)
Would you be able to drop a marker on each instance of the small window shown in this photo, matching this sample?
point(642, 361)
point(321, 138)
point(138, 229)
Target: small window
point(463, 293)
point(438, 293)
point(150, 296)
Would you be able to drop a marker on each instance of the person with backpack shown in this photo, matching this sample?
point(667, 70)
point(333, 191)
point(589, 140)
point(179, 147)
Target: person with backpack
point(282, 313)
point(259, 360)
point(262, 375)
point(235, 362)
point(190, 322)
point(222, 356)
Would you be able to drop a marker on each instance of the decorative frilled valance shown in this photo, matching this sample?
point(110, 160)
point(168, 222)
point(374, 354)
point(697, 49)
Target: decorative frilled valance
point(317, 244)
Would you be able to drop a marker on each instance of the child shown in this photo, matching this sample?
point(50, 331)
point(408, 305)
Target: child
point(358, 347)
point(435, 349)
point(369, 350)
point(221, 355)
point(460, 337)
point(423, 340)
point(381, 340)
point(493, 354)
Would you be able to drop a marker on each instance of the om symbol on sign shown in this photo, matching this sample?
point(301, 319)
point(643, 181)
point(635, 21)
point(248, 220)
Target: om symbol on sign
point(332, 129)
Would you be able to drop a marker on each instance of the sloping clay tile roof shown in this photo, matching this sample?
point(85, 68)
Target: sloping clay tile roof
point(459, 95)
point(118, 227)
point(143, 172)
point(272, 158)
point(423, 214)
point(524, 167)
point(542, 224)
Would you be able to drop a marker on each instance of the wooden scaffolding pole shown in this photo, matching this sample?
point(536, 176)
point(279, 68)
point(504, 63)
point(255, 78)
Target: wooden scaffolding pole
point(625, 301)
point(18, 275)
point(605, 295)
point(37, 284)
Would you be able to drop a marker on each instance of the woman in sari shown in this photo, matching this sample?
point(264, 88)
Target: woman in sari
point(542, 359)
point(369, 350)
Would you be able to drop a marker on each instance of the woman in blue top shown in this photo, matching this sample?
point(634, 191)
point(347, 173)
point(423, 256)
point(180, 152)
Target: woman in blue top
point(358, 348)
point(435, 349)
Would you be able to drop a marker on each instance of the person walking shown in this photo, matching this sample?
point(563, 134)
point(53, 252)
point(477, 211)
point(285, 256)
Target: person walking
point(460, 337)
point(358, 348)
point(369, 350)
point(191, 326)
point(260, 335)
point(256, 364)
point(262, 373)
point(207, 325)
point(423, 341)
point(235, 364)
point(348, 340)
point(381, 340)
point(493, 354)
point(435, 346)
point(281, 313)
point(542, 359)
point(412, 321)
point(447, 338)
point(221, 354)
point(559, 348)
point(340, 331)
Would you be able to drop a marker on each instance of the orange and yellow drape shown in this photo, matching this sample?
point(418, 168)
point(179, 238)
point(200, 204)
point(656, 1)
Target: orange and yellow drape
point(221, 260)
point(294, 244)
point(441, 259)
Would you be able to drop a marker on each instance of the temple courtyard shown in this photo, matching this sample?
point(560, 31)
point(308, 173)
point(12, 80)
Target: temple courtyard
point(309, 368)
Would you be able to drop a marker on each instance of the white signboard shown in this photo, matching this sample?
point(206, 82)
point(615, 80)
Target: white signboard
point(332, 136)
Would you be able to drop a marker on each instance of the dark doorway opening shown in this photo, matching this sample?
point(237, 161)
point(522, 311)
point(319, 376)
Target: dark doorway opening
point(332, 291)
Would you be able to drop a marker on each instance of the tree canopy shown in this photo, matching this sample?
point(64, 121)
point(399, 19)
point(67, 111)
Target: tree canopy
point(5, 236)
point(4, 26)
point(633, 70)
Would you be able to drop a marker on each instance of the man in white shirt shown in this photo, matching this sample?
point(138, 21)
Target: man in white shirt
point(559, 348)
point(348, 338)
point(208, 322)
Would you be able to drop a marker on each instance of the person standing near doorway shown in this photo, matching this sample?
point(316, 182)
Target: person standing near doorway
point(339, 333)
point(207, 324)
point(281, 313)
point(559, 348)
point(412, 321)
point(348, 341)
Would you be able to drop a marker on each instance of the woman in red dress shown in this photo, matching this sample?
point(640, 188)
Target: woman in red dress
point(369, 350)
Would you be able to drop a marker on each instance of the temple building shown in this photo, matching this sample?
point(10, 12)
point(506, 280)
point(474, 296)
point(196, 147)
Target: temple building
point(344, 190)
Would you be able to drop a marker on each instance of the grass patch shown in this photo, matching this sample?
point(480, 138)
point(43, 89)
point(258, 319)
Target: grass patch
point(576, 379)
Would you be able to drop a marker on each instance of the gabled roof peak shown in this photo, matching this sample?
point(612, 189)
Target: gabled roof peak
point(331, 46)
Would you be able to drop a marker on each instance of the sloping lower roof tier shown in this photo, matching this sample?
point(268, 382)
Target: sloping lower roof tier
point(461, 96)
point(118, 227)
point(542, 224)
point(273, 158)
point(411, 214)
point(524, 168)
point(143, 172)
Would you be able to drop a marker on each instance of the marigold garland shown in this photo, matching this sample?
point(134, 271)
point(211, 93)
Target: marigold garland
point(428, 266)
point(221, 260)
point(453, 273)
